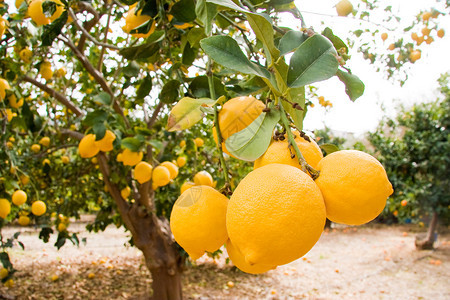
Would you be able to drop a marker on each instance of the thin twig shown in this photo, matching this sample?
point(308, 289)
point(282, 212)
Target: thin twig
point(58, 96)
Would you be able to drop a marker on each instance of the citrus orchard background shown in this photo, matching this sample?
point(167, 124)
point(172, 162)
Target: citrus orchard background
point(115, 109)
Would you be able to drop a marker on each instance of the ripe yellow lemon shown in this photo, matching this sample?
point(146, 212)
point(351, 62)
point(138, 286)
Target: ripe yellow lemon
point(239, 261)
point(38, 208)
point(46, 70)
point(87, 147)
point(36, 12)
point(23, 220)
point(280, 152)
point(143, 172)
point(181, 161)
point(441, 33)
point(235, 115)
point(45, 141)
point(203, 178)
point(62, 227)
point(5, 208)
point(384, 36)
point(14, 102)
point(197, 220)
point(199, 142)
point(65, 159)
point(173, 169)
point(344, 8)
point(4, 85)
point(134, 20)
point(183, 144)
point(106, 143)
point(26, 55)
point(130, 158)
point(61, 72)
point(275, 215)
point(3, 273)
point(35, 148)
point(161, 176)
point(185, 186)
point(415, 55)
point(19, 197)
point(354, 185)
point(125, 192)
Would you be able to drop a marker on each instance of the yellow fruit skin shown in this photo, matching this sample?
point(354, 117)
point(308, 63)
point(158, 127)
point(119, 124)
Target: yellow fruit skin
point(14, 103)
point(3, 273)
point(35, 148)
point(239, 261)
point(19, 197)
point(45, 141)
point(354, 185)
point(23, 221)
point(185, 186)
point(199, 142)
point(143, 172)
point(278, 152)
point(87, 147)
point(38, 208)
point(106, 143)
point(275, 215)
point(203, 178)
point(5, 208)
point(65, 159)
point(197, 220)
point(130, 158)
point(344, 8)
point(125, 192)
point(36, 12)
point(133, 21)
point(161, 176)
point(235, 115)
point(181, 161)
point(173, 169)
point(4, 85)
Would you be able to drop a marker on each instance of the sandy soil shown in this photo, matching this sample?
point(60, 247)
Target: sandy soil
point(372, 262)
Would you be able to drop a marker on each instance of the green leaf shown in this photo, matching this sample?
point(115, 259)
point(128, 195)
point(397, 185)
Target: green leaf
point(199, 87)
point(337, 42)
point(102, 98)
point(61, 240)
point(291, 41)
point(262, 27)
point(189, 54)
point(206, 12)
point(229, 4)
point(296, 95)
point(142, 131)
point(184, 11)
point(195, 35)
point(354, 87)
point(169, 92)
point(132, 143)
point(139, 52)
point(251, 142)
point(329, 148)
point(226, 52)
point(144, 88)
point(315, 60)
point(97, 116)
point(187, 112)
point(4, 259)
point(52, 30)
point(132, 69)
point(49, 8)
point(156, 144)
point(99, 130)
point(148, 8)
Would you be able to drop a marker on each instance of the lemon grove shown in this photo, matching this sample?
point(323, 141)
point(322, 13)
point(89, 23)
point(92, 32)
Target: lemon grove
point(120, 109)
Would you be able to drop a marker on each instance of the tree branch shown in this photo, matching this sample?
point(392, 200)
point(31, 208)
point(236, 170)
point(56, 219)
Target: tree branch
point(152, 120)
point(58, 96)
point(87, 34)
point(84, 6)
point(96, 74)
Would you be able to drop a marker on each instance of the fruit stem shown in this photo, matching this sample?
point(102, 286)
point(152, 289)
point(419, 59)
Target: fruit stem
point(305, 166)
point(212, 93)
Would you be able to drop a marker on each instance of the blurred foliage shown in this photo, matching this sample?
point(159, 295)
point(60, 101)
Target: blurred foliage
point(414, 147)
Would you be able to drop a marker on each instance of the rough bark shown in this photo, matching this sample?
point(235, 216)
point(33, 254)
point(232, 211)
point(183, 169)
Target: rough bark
point(427, 243)
point(152, 236)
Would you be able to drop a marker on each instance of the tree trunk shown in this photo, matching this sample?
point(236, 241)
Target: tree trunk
point(151, 235)
point(427, 243)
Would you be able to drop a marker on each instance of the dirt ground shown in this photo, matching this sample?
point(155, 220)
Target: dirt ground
point(371, 262)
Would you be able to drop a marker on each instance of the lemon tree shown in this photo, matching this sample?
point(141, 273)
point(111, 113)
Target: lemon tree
point(117, 120)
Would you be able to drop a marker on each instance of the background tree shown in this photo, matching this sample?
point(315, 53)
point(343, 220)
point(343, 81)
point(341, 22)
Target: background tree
point(414, 149)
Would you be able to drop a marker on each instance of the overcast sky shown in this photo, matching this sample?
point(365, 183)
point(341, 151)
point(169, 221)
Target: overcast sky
point(365, 113)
